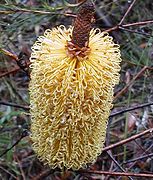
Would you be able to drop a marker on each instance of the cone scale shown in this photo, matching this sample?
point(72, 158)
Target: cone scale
point(71, 93)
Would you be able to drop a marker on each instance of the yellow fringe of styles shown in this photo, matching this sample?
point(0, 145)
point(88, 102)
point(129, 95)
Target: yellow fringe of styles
point(71, 97)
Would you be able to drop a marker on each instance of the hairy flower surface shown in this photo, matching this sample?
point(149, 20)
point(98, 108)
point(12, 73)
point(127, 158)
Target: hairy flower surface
point(71, 93)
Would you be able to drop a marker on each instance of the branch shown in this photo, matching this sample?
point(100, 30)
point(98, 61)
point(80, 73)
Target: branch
point(13, 56)
point(79, 2)
point(139, 158)
point(118, 173)
point(138, 23)
point(128, 139)
point(114, 160)
point(10, 173)
point(43, 174)
point(129, 25)
point(123, 18)
point(20, 60)
point(14, 105)
point(127, 12)
point(9, 72)
point(141, 72)
point(24, 134)
point(131, 109)
point(36, 12)
point(135, 31)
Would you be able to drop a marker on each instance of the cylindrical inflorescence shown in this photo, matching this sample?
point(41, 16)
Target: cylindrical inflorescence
point(71, 94)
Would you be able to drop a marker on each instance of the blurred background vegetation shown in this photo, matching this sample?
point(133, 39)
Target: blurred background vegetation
point(21, 22)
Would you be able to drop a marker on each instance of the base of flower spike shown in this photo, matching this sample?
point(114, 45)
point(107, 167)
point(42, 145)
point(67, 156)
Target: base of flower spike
point(73, 51)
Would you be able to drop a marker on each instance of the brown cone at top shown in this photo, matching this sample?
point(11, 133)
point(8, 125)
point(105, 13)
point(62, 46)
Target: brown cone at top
point(83, 24)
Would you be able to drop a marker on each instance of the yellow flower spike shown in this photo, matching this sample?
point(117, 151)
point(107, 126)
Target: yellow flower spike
point(71, 93)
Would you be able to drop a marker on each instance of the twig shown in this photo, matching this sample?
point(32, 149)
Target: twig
point(122, 20)
point(128, 139)
point(142, 149)
point(120, 167)
point(134, 162)
point(20, 167)
point(135, 31)
point(78, 3)
point(139, 158)
point(138, 23)
point(118, 173)
point(14, 105)
point(13, 56)
point(112, 29)
point(10, 72)
point(6, 171)
point(117, 27)
point(127, 12)
point(24, 134)
point(21, 62)
point(36, 12)
point(131, 109)
point(43, 174)
point(141, 72)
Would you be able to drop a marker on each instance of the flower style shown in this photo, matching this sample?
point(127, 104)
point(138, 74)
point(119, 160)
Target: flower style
point(71, 93)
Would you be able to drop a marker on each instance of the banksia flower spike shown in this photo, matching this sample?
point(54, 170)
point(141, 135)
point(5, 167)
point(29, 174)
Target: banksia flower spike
point(74, 71)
